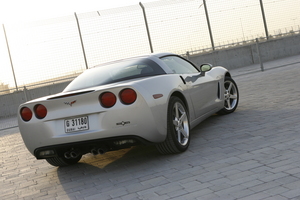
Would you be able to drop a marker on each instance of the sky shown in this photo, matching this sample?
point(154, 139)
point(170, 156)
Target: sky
point(12, 11)
point(23, 11)
point(52, 47)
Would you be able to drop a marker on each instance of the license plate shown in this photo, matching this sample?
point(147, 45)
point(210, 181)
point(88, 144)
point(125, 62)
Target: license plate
point(76, 124)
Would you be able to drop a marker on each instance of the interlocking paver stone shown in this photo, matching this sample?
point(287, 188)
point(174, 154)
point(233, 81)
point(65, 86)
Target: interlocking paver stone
point(250, 154)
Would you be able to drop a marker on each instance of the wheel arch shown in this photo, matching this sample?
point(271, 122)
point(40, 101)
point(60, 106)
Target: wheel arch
point(227, 74)
point(182, 97)
point(176, 141)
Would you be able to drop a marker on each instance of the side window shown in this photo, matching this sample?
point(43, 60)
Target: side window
point(179, 65)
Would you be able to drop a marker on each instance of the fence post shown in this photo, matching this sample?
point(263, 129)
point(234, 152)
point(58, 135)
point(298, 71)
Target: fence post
point(264, 18)
point(11, 62)
point(25, 93)
point(188, 55)
point(82, 46)
point(259, 56)
point(209, 27)
point(146, 23)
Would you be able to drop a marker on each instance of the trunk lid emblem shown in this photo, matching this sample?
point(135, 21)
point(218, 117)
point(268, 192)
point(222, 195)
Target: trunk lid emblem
point(70, 103)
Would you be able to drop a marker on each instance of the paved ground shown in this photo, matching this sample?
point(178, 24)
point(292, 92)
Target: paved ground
point(253, 153)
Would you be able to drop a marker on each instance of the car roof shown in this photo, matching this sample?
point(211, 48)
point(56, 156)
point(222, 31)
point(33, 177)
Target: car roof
point(158, 55)
point(161, 54)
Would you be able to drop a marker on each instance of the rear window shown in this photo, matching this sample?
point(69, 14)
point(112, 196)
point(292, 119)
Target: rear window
point(115, 72)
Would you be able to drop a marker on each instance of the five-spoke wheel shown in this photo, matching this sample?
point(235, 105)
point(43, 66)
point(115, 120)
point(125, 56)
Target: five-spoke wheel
point(178, 133)
point(231, 96)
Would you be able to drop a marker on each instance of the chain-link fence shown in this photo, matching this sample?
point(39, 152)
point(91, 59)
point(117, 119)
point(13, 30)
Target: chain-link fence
point(40, 53)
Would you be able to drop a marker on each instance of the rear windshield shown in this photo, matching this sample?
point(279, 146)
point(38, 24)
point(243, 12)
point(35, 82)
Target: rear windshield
point(115, 72)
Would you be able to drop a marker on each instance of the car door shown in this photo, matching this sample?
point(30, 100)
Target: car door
point(203, 89)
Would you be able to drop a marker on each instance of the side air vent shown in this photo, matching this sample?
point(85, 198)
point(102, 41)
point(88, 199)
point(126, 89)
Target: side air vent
point(219, 91)
point(70, 95)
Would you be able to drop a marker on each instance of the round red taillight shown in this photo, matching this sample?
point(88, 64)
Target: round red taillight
point(26, 114)
point(40, 111)
point(107, 99)
point(128, 96)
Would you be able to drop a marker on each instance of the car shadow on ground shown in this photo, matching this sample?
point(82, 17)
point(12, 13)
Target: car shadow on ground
point(110, 170)
point(213, 139)
point(113, 168)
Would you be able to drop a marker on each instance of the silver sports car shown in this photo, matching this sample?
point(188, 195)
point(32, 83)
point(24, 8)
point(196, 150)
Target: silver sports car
point(153, 99)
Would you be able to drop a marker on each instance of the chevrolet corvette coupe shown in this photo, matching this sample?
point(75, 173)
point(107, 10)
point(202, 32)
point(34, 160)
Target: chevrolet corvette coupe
point(153, 99)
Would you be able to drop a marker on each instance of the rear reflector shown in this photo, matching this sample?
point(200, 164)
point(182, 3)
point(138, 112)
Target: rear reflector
point(157, 96)
point(107, 99)
point(46, 153)
point(26, 114)
point(128, 96)
point(40, 111)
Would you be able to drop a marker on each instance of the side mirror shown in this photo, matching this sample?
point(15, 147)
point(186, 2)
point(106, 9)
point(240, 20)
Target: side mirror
point(205, 68)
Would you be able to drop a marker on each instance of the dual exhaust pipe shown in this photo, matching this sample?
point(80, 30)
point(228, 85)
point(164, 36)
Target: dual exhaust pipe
point(71, 154)
point(99, 150)
point(75, 153)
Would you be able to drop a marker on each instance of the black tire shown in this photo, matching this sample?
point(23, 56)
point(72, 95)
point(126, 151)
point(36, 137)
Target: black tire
point(62, 161)
point(231, 96)
point(178, 128)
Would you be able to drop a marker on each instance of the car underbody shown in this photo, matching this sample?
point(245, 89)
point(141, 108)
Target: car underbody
point(100, 146)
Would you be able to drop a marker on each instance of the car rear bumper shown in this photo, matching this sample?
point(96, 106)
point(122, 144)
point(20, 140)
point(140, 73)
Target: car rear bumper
point(129, 123)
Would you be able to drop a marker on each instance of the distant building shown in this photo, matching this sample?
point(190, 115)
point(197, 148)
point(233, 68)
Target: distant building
point(4, 89)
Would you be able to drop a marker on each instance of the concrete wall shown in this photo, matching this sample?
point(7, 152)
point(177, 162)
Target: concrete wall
point(230, 58)
point(247, 55)
point(9, 103)
point(280, 48)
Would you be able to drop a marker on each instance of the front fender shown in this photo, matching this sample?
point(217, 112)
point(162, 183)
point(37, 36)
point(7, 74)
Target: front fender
point(157, 92)
point(218, 72)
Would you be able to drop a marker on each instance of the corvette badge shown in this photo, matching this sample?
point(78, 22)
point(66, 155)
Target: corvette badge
point(122, 123)
point(70, 103)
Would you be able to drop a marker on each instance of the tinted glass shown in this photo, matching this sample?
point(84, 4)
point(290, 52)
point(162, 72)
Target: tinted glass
point(179, 65)
point(114, 72)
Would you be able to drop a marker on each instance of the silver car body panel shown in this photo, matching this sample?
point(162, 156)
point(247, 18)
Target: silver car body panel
point(145, 118)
